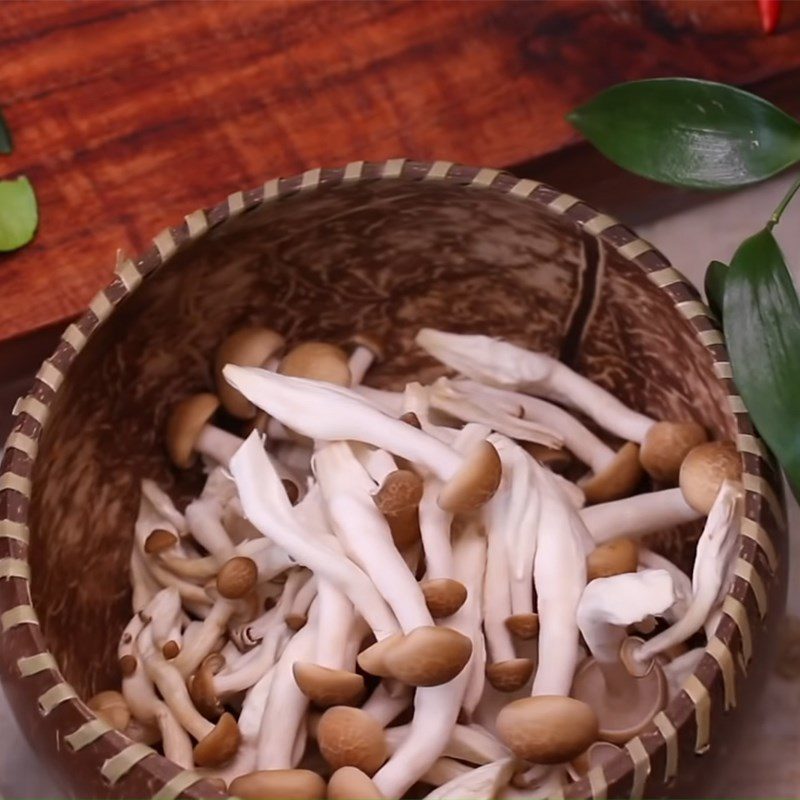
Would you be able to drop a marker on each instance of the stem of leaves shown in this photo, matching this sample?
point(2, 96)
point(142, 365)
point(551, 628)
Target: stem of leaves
point(778, 213)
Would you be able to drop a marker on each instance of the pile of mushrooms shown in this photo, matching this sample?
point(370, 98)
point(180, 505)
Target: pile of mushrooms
point(445, 590)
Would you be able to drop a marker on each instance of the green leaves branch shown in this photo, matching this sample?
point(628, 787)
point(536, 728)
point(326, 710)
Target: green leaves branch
point(703, 135)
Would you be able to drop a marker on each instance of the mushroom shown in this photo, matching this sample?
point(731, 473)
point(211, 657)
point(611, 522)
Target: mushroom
point(614, 557)
point(680, 668)
point(666, 446)
point(366, 351)
point(436, 708)
point(297, 615)
point(503, 364)
point(164, 613)
point(681, 582)
point(398, 498)
point(267, 507)
point(390, 403)
point(597, 755)
point(713, 569)
point(349, 737)
point(637, 516)
point(384, 705)
point(547, 729)
point(317, 361)
point(349, 783)
point(623, 701)
point(189, 432)
point(328, 413)
point(704, 470)
point(366, 538)
point(470, 743)
point(478, 784)
point(278, 784)
point(246, 347)
point(111, 707)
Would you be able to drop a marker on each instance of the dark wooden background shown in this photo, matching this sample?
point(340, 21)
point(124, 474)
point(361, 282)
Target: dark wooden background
point(128, 115)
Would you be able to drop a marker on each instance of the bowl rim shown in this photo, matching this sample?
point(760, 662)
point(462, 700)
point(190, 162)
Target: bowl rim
point(746, 602)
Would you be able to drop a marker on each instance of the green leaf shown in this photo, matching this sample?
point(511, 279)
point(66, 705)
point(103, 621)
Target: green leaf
point(6, 145)
point(690, 133)
point(18, 213)
point(715, 286)
point(761, 311)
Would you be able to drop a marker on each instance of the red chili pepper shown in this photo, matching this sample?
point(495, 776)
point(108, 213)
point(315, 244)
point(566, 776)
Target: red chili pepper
point(770, 14)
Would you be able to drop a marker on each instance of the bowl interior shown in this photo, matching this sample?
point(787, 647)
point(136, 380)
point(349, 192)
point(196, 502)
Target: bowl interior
point(386, 257)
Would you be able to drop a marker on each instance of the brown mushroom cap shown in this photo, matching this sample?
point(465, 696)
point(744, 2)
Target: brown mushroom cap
point(127, 665)
point(398, 500)
point(704, 470)
point(410, 418)
point(201, 687)
point(278, 784)
point(247, 347)
point(328, 687)
point(621, 718)
point(665, 446)
point(295, 622)
point(475, 482)
point(237, 577)
point(349, 737)
point(443, 596)
point(428, 656)
point(615, 557)
point(186, 420)
point(523, 626)
point(508, 676)
point(618, 479)
point(372, 659)
point(143, 732)
point(547, 729)
point(111, 707)
point(170, 649)
point(158, 541)
point(220, 745)
point(349, 783)
point(317, 361)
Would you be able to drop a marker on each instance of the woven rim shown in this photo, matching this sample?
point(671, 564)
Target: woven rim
point(754, 571)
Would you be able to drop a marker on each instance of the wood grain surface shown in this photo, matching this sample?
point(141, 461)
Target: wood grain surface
point(128, 115)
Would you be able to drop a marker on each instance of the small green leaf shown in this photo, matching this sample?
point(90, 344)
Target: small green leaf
point(761, 311)
point(690, 133)
point(18, 213)
point(715, 286)
point(6, 145)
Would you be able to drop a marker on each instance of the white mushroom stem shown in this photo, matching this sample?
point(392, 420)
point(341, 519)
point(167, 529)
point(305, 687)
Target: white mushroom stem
point(365, 534)
point(286, 705)
point(571, 491)
point(294, 456)
point(679, 669)
point(637, 516)
point(477, 784)
point(378, 463)
point(172, 687)
point(256, 630)
point(145, 706)
point(163, 505)
point(144, 585)
point(445, 396)
point(164, 613)
point(608, 606)
point(384, 705)
point(359, 362)
point(503, 364)
point(548, 784)
point(189, 592)
point(577, 438)
point(716, 552)
point(390, 403)
point(267, 507)
point(416, 400)
point(434, 526)
point(470, 743)
point(200, 645)
point(204, 518)
point(497, 580)
point(217, 444)
point(559, 572)
point(304, 598)
point(436, 708)
point(445, 770)
point(331, 413)
point(336, 620)
point(680, 580)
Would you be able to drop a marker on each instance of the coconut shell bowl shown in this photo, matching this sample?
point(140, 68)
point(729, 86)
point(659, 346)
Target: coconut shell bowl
point(387, 248)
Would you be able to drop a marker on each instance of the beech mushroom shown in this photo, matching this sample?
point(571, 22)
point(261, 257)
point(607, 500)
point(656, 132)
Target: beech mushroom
point(624, 702)
point(478, 784)
point(681, 582)
point(349, 783)
point(278, 784)
point(704, 470)
point(680, 668)
point(317, 361)
point(598, 754)
point(613, 557)
point(349, 737)
point(637, 516)
point(398, 498)
point(366, 351)
point(246, 347)
point(547, 729)
point(327, 413)
point(503, 364)
point(111, 707)
point(713, 566)
point(297, 615)
point(164, 614)
point(470, 743)
point(385, 705)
